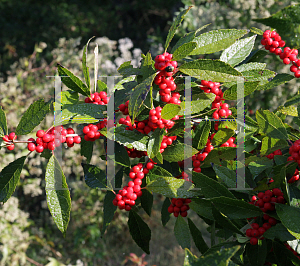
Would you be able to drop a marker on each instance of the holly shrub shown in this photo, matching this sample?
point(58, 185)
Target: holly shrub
point(167, 130)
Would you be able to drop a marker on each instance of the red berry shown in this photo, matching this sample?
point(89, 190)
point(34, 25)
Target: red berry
point(12, 136)
point(10, 147)
point(40, 133)
point(39, 148)
point(253, 241)
point(46, 138)
point(31, 146)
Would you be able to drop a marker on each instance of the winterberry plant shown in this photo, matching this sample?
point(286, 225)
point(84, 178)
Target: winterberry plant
point(177, 131)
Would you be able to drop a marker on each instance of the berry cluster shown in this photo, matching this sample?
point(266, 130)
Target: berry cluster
point(141, 126)
point(266, 200)
point(179, 206)
point(97, 98)
point(229, 143)
point(155, 120)
point(256, 231)
point(164, 78)
point(294, 178)
point(124, 108)
point(127, 196)
point(218, 103)
point(91, 132)
point(9, 140)
point(52, 139)
point(294, 151)
point(271, 155)
point(273, 42)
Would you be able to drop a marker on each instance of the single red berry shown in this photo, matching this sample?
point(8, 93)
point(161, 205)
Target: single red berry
point(31, 146)
point(46, 138)
point(10, 147)
point(40, 133)
point(255, 225)
point(12, 136)
point(249, 232)
point(39, 148)
point(253, 241)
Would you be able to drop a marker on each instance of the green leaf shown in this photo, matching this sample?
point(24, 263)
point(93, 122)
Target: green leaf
point(103, 87)
point(271, 125)
point(165, 215)
point(188, 257)
point(69, 97)
point(226, 175)
point(238, 51)
point(189, 37)
point(256, 31)
point(199, 103)
point(289, 217)
point(85, 68)
point(157, 171)
point(235, 209)
point(251, 66)
point(147, 201)
point(210, 188)
point(58, 195)
point(197, 237)
point(33, 116)
point(207, 69)
point(276, 81)
point(184, 50)
point(222, 135)
point(80, 113)
point(169, 111)
point(293, 101)
point(283, 256)
point(258, 164)
point(108, 210)
point(216, 40)
point(126, 69)
point(147, 66)
point(139, 231)
point(270, 145)
point(224, 221)
point(128, 138)
point(220, 257)
point(86, 149)
point(175, 153)
point(201, 135)
point(139, 95)
point(9, 178)
point(286, 18)
point(94, 177)
point(257, 55)
point(257, 253)
point(280, 232)
point(72, 82)
point(182, 232)
point(171, 187)
point(221, 153)
point(290, 110)
point(249, 87)
point(124, 84)
point(262, 76)
point(3, 123)
point(154, 143)
point(175, 26)
point(202, 207)
point(294, 195)
point(121, 155)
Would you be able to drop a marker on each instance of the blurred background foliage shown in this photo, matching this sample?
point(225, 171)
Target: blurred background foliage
point(35, 36)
